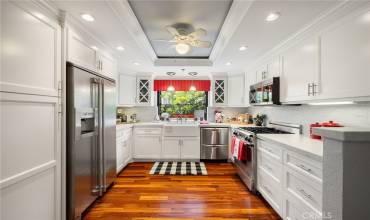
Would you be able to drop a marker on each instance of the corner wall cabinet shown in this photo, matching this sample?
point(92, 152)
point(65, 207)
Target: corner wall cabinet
point(220, 91)
point(144, 90)
point(236, 95)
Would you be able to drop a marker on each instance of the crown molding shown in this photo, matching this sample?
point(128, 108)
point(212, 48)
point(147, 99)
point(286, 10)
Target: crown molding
point(238, 10)
point(122, 10)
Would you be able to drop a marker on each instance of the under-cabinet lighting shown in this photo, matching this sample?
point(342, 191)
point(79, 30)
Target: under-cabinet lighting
point(332, 103)
point(87, 17)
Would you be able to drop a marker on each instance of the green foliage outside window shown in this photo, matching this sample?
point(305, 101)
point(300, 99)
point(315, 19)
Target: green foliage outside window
point(182, 102)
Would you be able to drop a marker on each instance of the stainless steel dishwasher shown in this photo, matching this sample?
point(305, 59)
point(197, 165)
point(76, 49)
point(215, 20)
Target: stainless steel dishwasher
point(214, 143)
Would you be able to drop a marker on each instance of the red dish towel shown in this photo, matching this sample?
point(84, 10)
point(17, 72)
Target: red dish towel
point(242, 151)
point(233, 139)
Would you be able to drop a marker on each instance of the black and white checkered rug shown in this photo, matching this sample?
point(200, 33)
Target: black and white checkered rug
point(178, 168)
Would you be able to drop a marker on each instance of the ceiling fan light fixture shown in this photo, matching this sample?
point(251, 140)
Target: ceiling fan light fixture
point(182, 48)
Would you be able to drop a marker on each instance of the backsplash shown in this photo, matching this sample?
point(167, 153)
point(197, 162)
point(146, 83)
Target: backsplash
point(226, 111)
point(357, 115)
point(144, 113)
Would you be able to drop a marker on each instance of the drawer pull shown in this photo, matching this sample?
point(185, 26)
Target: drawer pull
point(304, 168)
point(305, 194)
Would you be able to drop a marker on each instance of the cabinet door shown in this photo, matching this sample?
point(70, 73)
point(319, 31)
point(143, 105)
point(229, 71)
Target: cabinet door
point(220, 91)
point(300, 68)
point(143, 91)
point(148, 147)
point(345, 58)
point(190, 148)
point(30, 157)
point(250, 79)
point(31, 50)
point(127, 90)
point(236, 90)
point(119, 154)
point(262, 73)
point(171, 148)
point(274, 67)
point(107, 66)
point(79, 52)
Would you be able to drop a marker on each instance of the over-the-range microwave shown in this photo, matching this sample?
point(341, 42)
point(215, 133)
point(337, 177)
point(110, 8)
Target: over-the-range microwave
point(266, 92)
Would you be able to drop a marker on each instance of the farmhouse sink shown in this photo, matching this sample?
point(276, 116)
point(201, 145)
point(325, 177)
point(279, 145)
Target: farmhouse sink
point(181, 130)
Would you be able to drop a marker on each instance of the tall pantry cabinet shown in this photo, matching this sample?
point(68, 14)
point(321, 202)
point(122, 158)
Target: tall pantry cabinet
point(30, 92)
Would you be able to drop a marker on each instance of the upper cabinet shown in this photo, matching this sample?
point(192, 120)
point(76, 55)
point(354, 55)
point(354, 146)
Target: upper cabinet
point(345, 58)
point(30, 51)
point(144, 90)
point(127, 90)
point(236, 94)
point(300, 71)
point(80, 52)
point(220, 91)
point(274, 67)
point(261, 73)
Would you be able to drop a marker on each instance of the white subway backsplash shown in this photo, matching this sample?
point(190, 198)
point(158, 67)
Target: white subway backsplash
point(357, 115)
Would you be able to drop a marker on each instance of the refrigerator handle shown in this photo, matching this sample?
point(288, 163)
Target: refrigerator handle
point(101, 138)
point(96, 188)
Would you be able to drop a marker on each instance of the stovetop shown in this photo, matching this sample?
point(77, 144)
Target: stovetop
point(263, 130)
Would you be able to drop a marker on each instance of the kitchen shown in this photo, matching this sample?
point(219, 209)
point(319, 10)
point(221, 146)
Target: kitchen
point(139, 109)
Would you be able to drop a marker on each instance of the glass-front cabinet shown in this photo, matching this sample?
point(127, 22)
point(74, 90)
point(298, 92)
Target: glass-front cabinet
point(220, 91)
point(144, 84)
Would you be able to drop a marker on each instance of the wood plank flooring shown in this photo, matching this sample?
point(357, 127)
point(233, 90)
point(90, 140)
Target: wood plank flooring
point(137, 195)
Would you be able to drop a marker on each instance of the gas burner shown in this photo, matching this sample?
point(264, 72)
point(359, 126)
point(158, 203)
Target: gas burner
point(263, 130)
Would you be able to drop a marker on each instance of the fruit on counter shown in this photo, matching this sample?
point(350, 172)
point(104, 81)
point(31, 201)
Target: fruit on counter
point(324, 124)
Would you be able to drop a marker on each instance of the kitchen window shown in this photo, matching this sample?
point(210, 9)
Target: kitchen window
point(185, 104)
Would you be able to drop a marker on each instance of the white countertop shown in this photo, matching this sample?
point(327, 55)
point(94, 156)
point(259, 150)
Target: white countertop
point(296, 142)
point(161, 124)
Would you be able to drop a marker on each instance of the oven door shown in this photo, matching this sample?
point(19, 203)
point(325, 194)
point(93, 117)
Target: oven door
point(246, 168)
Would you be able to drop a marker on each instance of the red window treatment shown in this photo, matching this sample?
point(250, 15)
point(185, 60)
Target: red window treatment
point(182, 85)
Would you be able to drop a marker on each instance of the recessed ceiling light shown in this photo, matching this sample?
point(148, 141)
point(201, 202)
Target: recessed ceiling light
point(228, 63)
point(243, 48)
point(94, 47)
point(136, 63)
point(192, 73)
point(120, 48)
point(272, 16)
point(171, 73)
point(87, 17)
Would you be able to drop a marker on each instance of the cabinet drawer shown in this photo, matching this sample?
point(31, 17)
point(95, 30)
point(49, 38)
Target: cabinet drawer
point(304, 165)
point(148, 131)
point(296, 210)
point(305, 189)
point(270, 149)
point(270, 166)
point(271, 191)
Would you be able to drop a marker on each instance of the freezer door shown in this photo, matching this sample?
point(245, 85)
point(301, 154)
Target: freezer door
point(109, 132)
point(82, 142)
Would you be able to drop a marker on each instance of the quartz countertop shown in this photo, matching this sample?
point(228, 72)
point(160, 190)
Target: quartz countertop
point(161, 123)
point(295, 142)
point(344, 133)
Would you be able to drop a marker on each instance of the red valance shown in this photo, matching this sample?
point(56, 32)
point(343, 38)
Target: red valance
point(182, 85)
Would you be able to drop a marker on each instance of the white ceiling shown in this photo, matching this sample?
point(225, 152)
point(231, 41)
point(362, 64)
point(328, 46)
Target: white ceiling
point(253, 31)
point(154, 16)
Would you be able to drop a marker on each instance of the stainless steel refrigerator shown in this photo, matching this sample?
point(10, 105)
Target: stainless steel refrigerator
point(91, 136)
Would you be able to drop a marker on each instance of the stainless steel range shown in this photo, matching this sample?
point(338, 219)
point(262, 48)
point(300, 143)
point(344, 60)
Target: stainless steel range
point(247, 167)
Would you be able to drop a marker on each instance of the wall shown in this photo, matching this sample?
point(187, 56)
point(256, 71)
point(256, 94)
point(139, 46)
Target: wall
point(357, 115)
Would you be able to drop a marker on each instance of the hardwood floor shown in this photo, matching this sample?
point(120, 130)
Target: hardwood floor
point(137, 195)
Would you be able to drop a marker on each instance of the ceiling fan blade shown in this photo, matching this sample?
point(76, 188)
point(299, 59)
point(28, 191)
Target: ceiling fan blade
point(198, 33)
point(163, 40)
point(204, 44)
point(172, 30)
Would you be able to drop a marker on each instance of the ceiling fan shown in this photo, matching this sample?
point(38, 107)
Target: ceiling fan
point(185, 37)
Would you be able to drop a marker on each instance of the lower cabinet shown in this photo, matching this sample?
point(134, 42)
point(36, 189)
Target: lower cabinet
point(123, 147)
point(148, 146)
point(181, 148)
point(290, 182)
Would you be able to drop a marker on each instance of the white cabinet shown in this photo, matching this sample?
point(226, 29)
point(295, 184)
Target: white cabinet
point(181, 148)
point(127, 90)
point(190, 148)
point(123, 146)
point(300, 71)
point(144, 90)
point(171, 148)
point(106, 66)
point(80, 52)
point(345, 58)
point(147, 143)
point(274, 67)
point(261, 73)
point(236, 90)
point(30, 51)
point(219, 91)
